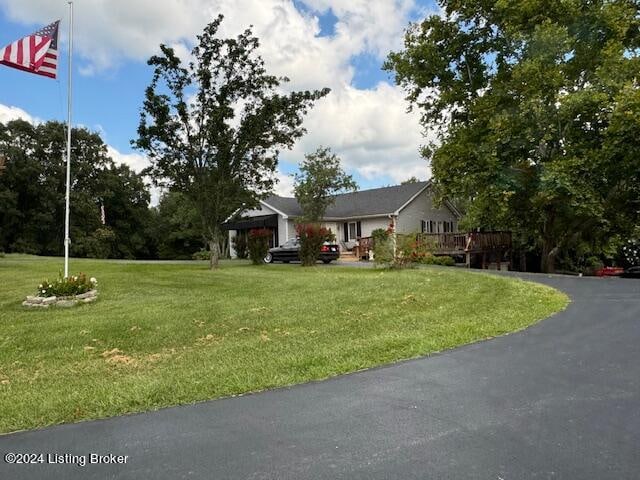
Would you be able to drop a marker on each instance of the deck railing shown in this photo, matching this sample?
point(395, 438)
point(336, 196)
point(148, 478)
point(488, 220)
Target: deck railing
point(451, 243)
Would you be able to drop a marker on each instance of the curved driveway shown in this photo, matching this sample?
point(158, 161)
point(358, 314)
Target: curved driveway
point(560, 400)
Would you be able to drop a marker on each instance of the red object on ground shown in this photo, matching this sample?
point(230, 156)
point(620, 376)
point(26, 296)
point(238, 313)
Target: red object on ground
point(610, 272)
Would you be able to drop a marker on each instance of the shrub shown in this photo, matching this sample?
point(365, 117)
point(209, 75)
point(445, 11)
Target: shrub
point(383, 246)
point(66, 287)
point(312, 236)
point(240, 246)
point(592, 265)
point(631, 252)
point(202, 254)
point(258, 244)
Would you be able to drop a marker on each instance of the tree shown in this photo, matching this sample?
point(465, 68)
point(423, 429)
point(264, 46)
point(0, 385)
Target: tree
point(213, 128)
point(178, 227)
point(32, 193)
point(409, 181)
point(320, 179)
point(536, 106)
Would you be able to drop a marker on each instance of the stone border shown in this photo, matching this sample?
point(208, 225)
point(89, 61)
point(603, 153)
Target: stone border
point(46, 302)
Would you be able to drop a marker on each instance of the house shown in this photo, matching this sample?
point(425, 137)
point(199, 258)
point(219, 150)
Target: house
point(409, 207)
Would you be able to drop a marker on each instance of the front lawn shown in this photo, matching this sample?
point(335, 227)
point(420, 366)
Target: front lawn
point(165, 334)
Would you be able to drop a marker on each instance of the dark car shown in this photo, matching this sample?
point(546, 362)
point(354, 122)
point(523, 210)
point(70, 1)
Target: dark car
point(632, 272)
point(289, 252)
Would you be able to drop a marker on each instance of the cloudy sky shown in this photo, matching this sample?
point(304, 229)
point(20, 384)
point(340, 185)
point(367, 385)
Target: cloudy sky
point(316, 43)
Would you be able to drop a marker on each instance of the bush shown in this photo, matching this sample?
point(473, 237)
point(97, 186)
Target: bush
point(202, 254)
point(382, 246)
point(445, 261)
point(258, 244)
point(312, 236)
point(240, 246)
point(631, 252)
point(66, 287)
point(592, 265)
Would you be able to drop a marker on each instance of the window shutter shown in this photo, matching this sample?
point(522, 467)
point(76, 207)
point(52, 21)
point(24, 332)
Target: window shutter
point(423, 226)
point(346, 231)
point(358, 229)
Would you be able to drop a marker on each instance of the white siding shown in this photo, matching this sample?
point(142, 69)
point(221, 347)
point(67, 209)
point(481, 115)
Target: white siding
point(256, 212)
point(422, 208)
point(367, 225)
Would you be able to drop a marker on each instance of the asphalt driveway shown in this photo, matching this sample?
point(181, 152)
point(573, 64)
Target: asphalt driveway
point(560, 400)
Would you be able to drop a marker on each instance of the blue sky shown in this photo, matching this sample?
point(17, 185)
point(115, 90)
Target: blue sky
point(314, 42)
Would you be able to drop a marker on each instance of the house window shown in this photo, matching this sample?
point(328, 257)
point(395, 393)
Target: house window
point(428, 226)
point(353, 228)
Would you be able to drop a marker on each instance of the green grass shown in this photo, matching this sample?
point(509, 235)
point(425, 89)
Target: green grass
point(185, 334)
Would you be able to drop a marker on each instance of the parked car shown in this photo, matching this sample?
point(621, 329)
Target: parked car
point(609, 272)
point(632, 272)
point(290, 252)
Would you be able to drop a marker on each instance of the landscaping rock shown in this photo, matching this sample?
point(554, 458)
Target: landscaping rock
point(89, 294)
point(33, 305)
point(49, 300)
point(64, 302)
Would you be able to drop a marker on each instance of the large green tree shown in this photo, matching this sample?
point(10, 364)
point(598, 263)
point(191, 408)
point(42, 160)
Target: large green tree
point(213, 127)
point(320, 179)
point(178, 227)
point(32, 190)
point(537, 104)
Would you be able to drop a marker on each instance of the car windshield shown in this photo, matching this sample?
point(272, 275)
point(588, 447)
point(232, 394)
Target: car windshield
point(290, 243)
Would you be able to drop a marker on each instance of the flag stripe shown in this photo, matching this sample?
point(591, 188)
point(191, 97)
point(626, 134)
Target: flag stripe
point(14, 53)
point(20, 56)
point(32, 45)
point(35, 53)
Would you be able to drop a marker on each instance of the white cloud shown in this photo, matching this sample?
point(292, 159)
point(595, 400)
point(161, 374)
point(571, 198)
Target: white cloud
point(369, 128)
point(284, 187)
point(8, 113)
point(135, 161)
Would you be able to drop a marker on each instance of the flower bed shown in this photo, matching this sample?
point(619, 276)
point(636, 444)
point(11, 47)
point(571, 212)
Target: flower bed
point(64, 292)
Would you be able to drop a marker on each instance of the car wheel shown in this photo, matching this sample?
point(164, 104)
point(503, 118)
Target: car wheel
point(268, 258)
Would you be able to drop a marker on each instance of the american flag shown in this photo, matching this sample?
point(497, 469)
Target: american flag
point(37, 53)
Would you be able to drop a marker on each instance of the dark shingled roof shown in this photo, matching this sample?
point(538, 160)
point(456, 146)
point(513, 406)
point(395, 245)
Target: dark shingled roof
point(377, 201)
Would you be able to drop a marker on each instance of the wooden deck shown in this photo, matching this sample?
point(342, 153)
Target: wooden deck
point(453, 243)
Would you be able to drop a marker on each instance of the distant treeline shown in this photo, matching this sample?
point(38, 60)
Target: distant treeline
point(110, 212)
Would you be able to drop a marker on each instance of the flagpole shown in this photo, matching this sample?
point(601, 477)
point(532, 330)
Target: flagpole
point(67, 240)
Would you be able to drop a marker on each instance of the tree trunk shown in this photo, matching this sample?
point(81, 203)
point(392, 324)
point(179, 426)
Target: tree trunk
point(549, 252)
point(214, 249)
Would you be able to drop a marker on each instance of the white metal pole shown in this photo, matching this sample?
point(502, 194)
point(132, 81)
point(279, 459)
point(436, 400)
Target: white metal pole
point(67, 240)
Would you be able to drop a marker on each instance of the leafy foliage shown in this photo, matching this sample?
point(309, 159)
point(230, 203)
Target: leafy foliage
point(213, 128)
point(66, 287)
point(536, 104)
point(240, 245)
point(321, 178)
point(258, 244)
point(32, 189)
point(383, 247)
point(177, 227)
point(312, 236)
point(631, 252)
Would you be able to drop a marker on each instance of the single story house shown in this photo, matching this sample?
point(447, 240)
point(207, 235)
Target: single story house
point(409, 207)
